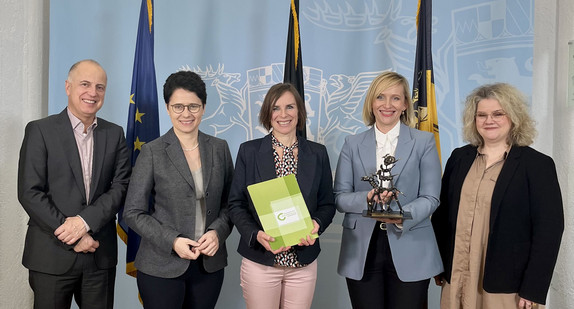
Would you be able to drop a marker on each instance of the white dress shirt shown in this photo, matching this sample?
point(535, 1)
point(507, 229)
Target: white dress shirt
point(386, 144)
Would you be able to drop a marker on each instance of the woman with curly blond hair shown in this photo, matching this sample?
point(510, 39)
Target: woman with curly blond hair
point(500, 219)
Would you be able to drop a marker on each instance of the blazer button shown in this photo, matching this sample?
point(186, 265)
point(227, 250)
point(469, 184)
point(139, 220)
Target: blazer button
point(206, 194)
point(209, 212)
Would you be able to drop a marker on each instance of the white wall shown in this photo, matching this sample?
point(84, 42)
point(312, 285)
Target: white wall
point(554, 27)
point(23, 96)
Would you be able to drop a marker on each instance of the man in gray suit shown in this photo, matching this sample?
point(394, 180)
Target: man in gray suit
point(72, 178)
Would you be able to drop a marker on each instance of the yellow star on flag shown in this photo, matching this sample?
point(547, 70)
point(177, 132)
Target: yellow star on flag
point(138, 144)
point(132, 98)
point(139, 116)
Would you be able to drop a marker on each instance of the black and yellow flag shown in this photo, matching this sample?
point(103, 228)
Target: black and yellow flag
point(424, 97)
point(293, 71)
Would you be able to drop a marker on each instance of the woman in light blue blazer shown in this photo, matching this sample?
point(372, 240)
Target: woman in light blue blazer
point(388, 263)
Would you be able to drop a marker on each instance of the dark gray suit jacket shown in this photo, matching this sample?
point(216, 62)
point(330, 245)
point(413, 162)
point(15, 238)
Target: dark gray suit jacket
point(162, 176)
point(51, 188)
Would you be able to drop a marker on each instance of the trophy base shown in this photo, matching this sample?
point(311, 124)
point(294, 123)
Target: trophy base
point(387, 214)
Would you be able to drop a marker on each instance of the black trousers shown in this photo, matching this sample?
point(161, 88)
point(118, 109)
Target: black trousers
point(89, 286)
point(380, 286)
point(195, 289)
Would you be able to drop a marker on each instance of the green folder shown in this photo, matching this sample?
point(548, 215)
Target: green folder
point(282, 210)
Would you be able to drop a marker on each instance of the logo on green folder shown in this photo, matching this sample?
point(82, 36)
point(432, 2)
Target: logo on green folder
point(286, 216)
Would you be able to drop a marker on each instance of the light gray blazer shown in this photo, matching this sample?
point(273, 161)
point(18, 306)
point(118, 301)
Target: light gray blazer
point(162, 177)
point(418, 176)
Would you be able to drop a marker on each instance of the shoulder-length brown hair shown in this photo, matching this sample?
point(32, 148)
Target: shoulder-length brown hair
point(274, 93)
point(381, 83)
point(513, 102)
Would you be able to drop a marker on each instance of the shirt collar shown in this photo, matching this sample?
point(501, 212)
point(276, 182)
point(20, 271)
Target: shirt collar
point(75, 121)
point(504, 156)
point(392, 135)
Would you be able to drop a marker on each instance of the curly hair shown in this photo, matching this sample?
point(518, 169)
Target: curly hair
point(513, 102)
point(381, 83)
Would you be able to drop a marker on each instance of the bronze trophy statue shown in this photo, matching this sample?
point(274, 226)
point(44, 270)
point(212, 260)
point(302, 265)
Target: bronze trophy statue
point(378, 180)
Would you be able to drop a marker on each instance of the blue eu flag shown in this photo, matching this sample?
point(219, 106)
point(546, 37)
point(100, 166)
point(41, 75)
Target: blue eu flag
point(143, 120)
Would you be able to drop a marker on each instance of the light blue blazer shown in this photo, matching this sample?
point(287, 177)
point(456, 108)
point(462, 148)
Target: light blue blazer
point(418, 176)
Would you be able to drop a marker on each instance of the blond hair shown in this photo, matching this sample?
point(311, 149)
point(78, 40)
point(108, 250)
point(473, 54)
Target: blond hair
point(513, 102)
point(381, 83)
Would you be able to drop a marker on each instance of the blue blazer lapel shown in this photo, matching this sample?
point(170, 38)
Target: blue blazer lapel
point(368, 153)
point(176, 156)
point(264, 160)
point(306, 167)
point(403, 151)
point(70, 149)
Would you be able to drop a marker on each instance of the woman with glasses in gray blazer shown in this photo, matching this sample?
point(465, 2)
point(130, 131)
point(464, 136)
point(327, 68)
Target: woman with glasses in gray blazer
point(177, 203)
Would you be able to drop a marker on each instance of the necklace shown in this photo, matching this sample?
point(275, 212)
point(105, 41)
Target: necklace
point(192, 148)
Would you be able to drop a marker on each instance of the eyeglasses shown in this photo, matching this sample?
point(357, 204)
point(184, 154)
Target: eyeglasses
point(496, 116)
point(179, 108)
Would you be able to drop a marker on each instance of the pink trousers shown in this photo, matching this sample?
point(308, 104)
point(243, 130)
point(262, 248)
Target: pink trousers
point(270, 287)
